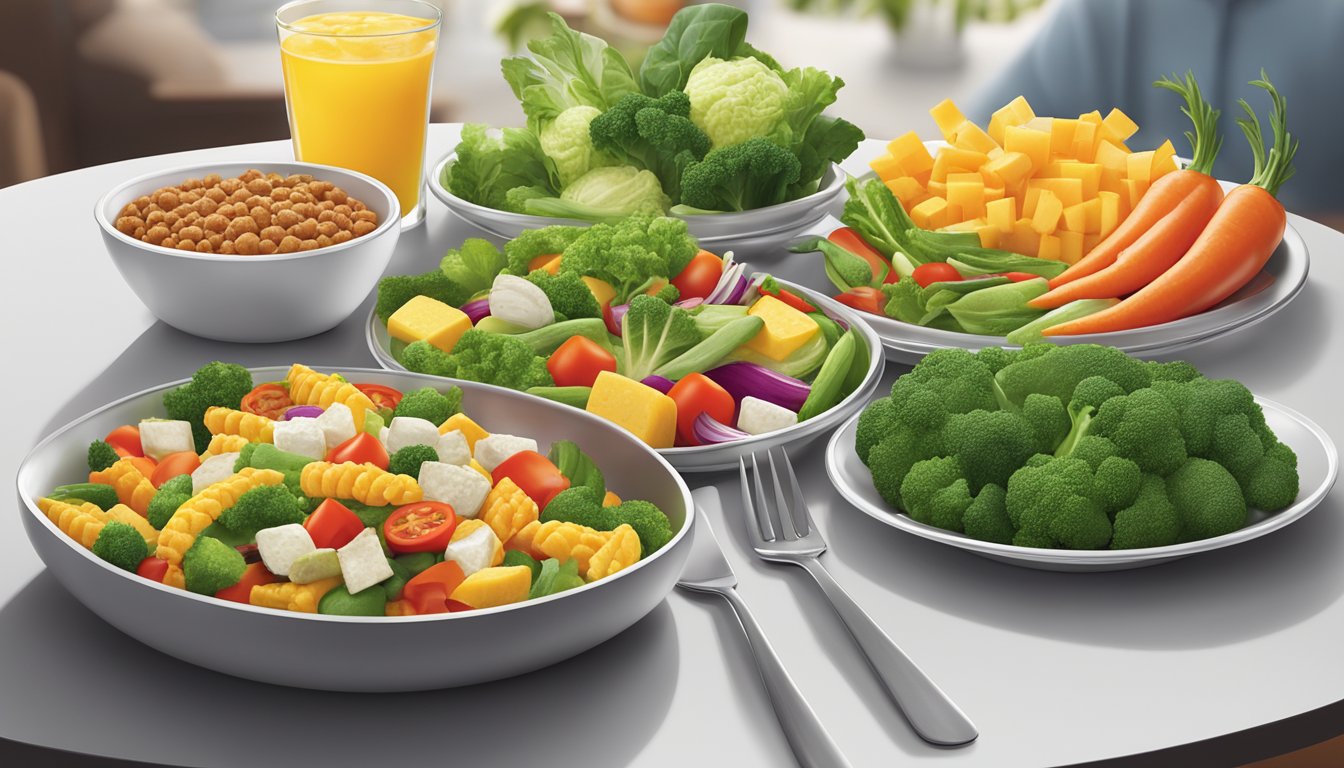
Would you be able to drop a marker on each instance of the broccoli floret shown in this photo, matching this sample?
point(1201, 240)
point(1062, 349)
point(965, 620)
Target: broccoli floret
point(531, 243)
point(649, 522)
point(167, 499)
point(407, 460)
point(216, 383)
point(580, 504)
point(875, 423)
point(1202, 403)
point(121, 545)
point(265, 506)
point(1150, 521)
point(989, 445)
point(627, 254)
point(429, 404)
point(1088, 396)
point(656, 134)
point(211, 565)
point(1094, 450)
point(1059, 370)
point(1048, 419)
point(396, 290)
point(654, 333)
point(1052, 506)
point(101, 456)
point(102, 495)
point(569, 295)
point(1178, 370)
point(1207, 499)
point(473, 266)
point(935, 492)
point(1143, 426)
point(741, 177)
point(1116, 483)
point(669, 293)
point(890, 462)
point(1273, 483)
point(987, 517)
point(490, 358)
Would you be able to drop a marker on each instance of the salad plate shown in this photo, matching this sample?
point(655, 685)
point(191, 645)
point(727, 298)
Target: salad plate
point(724, 456)
point(1318, 467)
point(332, 652)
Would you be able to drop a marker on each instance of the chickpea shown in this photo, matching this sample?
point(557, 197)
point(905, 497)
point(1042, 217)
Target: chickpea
point(229, 186)
point(308, 245)
point(362, 228)
point(267, 247)
point(216, 222)
point(225, 247)
point(247, 244)
point(323, 241)
point(259, 186)
point(261, 215)
point(364, 215)
point(343, 209)
point(193, 232)
point(156, 234)
point(204, 247)
point(211, 180)
point(289, 244)
point(342, 236)
point(170, 218)
point(325, 215)
point(186, 245)
point(287, 218)
point(169, 242)
point(240, 226)
point(273, 233)
point(128, 224)
point(327, 229)
point(280, 193)
point(337, 196)
point(216, 194)
point(167, 200)
point(343, 222)
point(154, 217)
point(249, 174)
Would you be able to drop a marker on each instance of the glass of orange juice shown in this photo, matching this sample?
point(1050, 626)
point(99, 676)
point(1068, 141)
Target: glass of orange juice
point(357, 87)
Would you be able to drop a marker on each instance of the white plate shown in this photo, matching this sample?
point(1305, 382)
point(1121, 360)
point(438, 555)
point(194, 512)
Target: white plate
point(1318, 465)
point(1279, 283)
point(745, 233)
point(711, 458)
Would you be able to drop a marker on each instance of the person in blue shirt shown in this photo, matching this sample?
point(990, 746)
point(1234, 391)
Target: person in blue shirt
point(1098, 54)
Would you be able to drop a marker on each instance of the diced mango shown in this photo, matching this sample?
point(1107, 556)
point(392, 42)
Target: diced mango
point(601, 290)
point(1088, 173)
point(1134, 190)
point(1120, 124)
point(1109, 214)
point(785, 330)
point(644, 411)
point(930, 214)
point(491, 587)
point(1069, 191)
point(1023, 239)
point(1062, 131)
point(910, 152)
point(971, 137)
point(1085, 141)
point(1032, 143)
point(946, 115)
point(886, 167)
point(906, 189)
point(1010, 169)
point(1139, 166)
point(1084, 216)
point(1111, 157)
point(1049, 248)
point(967, 191)
point(1015, 112)
point(1001, 214)
point(469, 429)
point(1070, 246)
point(1164, 161)
point(1045, 219)
point(427, 319)
point(989, 236)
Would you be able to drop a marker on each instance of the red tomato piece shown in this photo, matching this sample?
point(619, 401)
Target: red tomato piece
point(363, 448)
point(146, 465)
point(424, 526)
point(382, 396)
point(790, 298)
point(535, 474)
point(253, 575)
point(174, 464)
point(700, 276)
point(333, 525)
point(610, 319)
point(695, 394)
point(864, 299)
point(578, 361)
point(152, 568)
point(269, 400)
point(457, 606)
point(1016, 277)
point(429, 589)
point(935, 272)
point(125, 440)
point(852, 241)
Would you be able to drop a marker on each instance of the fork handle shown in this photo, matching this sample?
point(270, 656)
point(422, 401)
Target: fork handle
point(931, 713)
point(812, 745)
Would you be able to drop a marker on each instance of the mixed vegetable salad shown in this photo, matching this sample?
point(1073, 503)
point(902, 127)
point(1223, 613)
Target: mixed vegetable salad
point(1073, 447)
point(631, 321)
point(1044, 227)
point(708, 124)
point(319, 495)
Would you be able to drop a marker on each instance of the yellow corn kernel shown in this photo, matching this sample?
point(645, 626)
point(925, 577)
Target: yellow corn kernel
point(611, 499)
point(223, 443)
point(174, 577)
point(469, 429)
point(82, 523)
point(565, 541)
point(198, 512)
point(308, 387)
point(490, 587)
point(133, 488)
point(288, 596)
point(620, 551)
point(522, 540)
point(466, 527)
point(365, 483)
point(124, 514)
point(227, 421)
point(508, 509)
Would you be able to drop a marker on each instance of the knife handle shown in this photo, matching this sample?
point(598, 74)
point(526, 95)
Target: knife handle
point(811, 744)
point(931, 713)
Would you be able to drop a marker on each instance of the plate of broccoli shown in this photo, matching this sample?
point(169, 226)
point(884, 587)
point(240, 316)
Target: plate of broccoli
point(1078, 458)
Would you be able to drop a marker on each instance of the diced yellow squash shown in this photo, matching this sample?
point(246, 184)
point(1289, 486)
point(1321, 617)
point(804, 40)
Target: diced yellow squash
point(1111, 157)
point(967, 191)
point(972, 137)
point(968, 225)
point(1164, 161)
point(785, 330)
point(1093, 117)
point(952, 160)
point(910, 152)
point(1069, 191)
point(1032, 143)
point(1088, 173)
point(946, 115)
point(1134, 190)
point(937, 188)
point(601, 290)
point(1042, 124)
point(1062, 131)
point(647, 413)
point(464, 424)
point(1023, 239)
point(989, 236)
point(906, 189)
point(1010, 169)
point(1049, 208)
point(993, 193)
point(1015, 112)
point(886, 167)
point(1070, 246)
point(289, 596)
point(1074, 218)
point(1120, 125)
point(427, 319)
point(1000, 214)
point(1109, 214)
point(1085, 141)
point(1139, 166)
point(1084, 216)
point(930, 214)
point(1049, 248)
point(620, 552)
point(491, 587)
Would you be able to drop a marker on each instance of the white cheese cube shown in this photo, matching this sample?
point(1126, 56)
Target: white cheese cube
point(160, 438)
point(282, 545)
point(474, 551)
point(494, 450)
point(362, 562)
point(461, 487)
point(519, 301)
point(337, 423)
point(302, 436)
point(215, 469)
point(453, 448)
point(408, 430)
point(756, 416)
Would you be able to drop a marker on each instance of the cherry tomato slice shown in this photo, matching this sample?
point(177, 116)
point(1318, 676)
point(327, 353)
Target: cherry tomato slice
point(152, 568)
point(695, 394)
point(174, 464)
point(535, 474)
point(790, 298)
point(125, 440)
point(429, 590)
point(425, 526)
point(333, 525)
point(699, 278)
point(864, 298)
point(269, 400)
point(363, 448)
point(382, 396)
point(935, 272)
point(578, 361)
point(253, 575)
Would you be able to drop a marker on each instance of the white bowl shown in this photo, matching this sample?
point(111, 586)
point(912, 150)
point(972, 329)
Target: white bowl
point(745, 233)
point(350, 653)
point(278, 297)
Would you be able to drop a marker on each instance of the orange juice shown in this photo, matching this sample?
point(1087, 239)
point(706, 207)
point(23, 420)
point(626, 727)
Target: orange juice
point(357, 86)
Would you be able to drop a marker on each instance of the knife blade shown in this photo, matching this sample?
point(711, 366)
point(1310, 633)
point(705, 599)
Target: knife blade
point(707, 570)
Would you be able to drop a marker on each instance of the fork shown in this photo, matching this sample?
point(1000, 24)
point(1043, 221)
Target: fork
point(787, 534)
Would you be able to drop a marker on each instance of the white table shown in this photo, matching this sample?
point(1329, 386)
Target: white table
point(1054, 668)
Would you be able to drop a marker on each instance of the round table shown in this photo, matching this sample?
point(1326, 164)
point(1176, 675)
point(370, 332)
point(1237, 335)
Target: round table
point(1222, 658)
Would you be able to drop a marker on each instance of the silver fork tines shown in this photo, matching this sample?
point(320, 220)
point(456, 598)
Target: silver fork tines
point(784, 530)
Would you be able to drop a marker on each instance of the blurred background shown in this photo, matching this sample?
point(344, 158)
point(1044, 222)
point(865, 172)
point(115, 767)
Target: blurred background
point(84, 82)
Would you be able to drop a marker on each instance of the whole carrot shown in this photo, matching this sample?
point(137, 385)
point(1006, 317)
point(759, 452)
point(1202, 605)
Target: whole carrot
point(1124, 263)
point(1229, 252)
